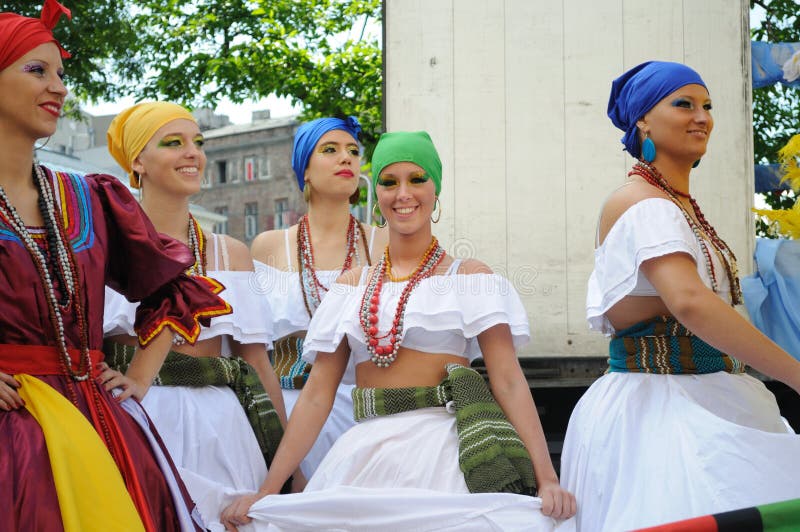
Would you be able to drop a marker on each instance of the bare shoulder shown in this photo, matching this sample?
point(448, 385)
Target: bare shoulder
point(351, 277)
point(623, 199)
point(470, 266)
point(239, 256)
point(269, 245)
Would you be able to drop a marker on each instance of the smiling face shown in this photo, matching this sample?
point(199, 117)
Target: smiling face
point(680, 124)
point(32, 92)
point(334, 165)
point(173, 160)
point(406, 197)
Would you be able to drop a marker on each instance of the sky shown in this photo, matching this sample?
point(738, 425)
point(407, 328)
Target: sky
point(238, 113)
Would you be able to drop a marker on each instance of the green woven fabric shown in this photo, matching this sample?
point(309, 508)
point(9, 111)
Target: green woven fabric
point(490, 452)
point(184, 370)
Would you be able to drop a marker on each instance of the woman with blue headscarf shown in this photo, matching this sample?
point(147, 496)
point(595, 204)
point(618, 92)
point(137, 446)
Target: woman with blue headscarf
point(296, 266)
point(675, 429)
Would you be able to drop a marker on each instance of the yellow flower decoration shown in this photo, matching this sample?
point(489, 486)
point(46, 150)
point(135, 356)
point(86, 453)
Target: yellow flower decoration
point(786, 222)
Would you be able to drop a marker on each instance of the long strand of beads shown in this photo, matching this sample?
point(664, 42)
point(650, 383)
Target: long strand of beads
point(701, 228)
point(197, 246)
point(312, 288)
point(63, 262)
point(383, 355)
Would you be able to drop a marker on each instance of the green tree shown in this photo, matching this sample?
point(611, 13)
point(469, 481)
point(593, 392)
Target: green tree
point(776, 109)
point(318, 53)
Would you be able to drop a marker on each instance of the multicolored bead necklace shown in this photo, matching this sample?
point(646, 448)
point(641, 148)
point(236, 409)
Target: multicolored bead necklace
point(702, 230)
point(312, 288)
point(384, 355)
point(61, 262)
point(197, 243)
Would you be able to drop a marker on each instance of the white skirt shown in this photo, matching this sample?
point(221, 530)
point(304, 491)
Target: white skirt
point(338, 422)
point(211, 442)
point(643, 450)
point(398, 473)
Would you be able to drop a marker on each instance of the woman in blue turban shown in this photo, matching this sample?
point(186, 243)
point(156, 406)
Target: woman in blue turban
point(297, 265)
point(676, 421)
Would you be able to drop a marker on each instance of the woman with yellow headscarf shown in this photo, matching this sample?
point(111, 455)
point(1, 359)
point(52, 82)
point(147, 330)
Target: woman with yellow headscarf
point(71, 456)
point(209, 403)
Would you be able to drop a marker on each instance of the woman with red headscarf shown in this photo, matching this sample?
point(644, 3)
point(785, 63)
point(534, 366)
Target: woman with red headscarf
point(72, 457)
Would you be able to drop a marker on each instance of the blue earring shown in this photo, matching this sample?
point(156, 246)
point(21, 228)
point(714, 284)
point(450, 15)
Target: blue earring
point(648, 149)
point(696, 163)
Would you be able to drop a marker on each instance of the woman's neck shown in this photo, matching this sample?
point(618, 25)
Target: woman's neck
point(406, 251)
point(676, 174)
point(16, 152)
point(328, 217)
point(169, 215)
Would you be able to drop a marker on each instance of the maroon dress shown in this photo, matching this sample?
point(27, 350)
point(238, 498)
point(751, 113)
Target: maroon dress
point(114, 243)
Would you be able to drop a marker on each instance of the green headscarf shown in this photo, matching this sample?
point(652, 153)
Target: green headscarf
point(407, 146)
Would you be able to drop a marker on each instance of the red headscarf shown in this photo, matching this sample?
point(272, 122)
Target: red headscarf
point(19, 35)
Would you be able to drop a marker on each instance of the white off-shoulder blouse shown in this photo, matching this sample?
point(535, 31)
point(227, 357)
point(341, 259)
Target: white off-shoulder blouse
point(444, 315)
point(651, 228)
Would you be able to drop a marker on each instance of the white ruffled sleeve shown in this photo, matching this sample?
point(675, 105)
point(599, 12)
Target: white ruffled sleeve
point(336, 316)
point(249, 323)
point(651, 228)
point(281, 289)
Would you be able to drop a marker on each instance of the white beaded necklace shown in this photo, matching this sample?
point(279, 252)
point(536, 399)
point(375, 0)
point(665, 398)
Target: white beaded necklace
point(63, 262)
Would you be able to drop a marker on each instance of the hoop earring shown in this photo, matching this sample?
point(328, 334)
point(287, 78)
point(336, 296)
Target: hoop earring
point(436, 204)
point(375, 217)
point(648, 149)
point(36, 148)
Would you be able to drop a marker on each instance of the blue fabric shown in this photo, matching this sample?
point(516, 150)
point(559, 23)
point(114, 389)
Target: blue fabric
point(639, 89)
point(767, 62)
point(772, 294)
point(768, 178)
point(309, 134)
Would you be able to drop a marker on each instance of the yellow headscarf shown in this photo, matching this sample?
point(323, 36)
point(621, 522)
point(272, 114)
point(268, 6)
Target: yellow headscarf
point(133, 128)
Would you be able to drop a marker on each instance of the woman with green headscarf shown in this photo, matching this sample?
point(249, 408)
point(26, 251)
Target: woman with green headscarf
point(430, 431)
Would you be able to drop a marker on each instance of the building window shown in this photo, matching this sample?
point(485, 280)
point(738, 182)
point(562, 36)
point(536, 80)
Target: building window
point(249, 168)
point(264, 168)
point(222, 172)
point(250, 220)
point(282, 220)
point(233, 171)
point(221, 228)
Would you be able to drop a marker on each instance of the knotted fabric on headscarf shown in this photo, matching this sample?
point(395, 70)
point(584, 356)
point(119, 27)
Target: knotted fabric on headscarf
point(19, 35)
point(132, 129)
point(639, 89)
point(407, 146)
point(309, 134)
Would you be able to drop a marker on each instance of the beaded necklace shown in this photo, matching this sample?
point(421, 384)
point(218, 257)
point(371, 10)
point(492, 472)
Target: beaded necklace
point(384, 355)
point(61, 261)
point(197, 243)
point(312, 288)
point(702, 229)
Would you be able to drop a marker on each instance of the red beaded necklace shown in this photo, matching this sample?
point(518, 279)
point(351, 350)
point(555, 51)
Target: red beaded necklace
point(702, 229)
point(312, 288)
point(384, 355)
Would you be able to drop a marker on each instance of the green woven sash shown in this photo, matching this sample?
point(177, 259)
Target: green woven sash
point(291, 369)
point(490, 452)
point(185, 370)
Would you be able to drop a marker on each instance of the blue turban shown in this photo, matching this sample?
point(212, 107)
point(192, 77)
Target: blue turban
point(639, 89)
point(309, 134)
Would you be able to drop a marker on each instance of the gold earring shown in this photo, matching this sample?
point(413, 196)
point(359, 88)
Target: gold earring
point(375, 216)
point(436, 204)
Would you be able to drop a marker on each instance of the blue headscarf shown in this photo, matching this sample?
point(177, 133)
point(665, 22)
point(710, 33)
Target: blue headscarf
point(309, 134)
point(639, 89)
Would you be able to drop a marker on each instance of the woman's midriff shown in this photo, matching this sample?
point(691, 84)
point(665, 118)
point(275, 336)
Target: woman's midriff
point(634, 309)
point(211, 347)
point(411, 368)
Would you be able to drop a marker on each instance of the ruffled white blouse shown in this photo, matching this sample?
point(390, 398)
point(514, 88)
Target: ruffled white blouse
point(285, 298)
point(651, 228)
point(249, 323)
point(444, 314)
